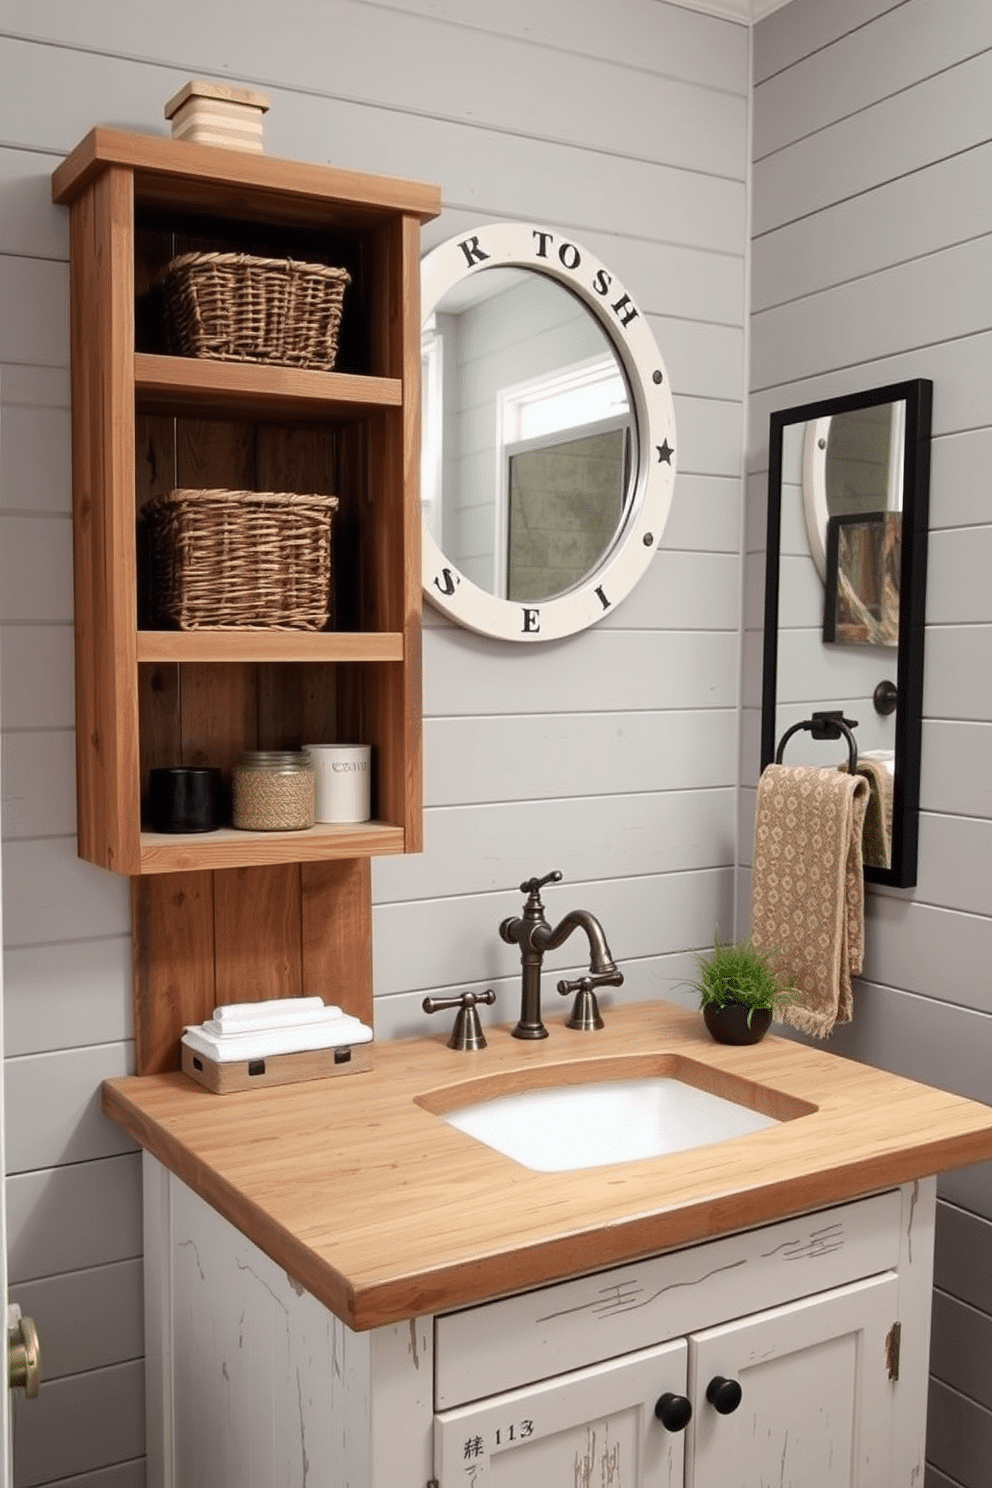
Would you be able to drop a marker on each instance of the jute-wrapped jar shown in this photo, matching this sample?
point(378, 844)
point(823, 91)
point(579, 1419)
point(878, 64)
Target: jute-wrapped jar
point(274, 791)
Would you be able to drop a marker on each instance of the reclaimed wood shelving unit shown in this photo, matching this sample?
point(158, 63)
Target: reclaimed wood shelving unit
point(232, 915)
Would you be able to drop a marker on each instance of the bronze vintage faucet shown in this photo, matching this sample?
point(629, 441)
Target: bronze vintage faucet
point(532, 933)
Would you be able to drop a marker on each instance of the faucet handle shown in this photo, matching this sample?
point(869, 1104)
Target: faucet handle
point(467, 1033)
point(585, 1013)
point(533, 886)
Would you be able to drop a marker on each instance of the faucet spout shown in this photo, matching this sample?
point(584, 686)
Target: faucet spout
point(532, 933)
point(601, 962)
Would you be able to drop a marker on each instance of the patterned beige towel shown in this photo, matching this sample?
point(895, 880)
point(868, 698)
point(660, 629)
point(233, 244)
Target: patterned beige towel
point(877, 840)
point(807, 895)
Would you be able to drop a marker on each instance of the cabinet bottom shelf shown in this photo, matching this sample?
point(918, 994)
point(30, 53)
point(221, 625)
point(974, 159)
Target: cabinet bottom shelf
point(228, 847)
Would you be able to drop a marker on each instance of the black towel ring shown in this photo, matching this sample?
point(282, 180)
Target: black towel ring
point(824, 726)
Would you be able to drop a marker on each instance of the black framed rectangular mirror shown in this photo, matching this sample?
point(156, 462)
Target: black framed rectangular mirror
point(846, 558)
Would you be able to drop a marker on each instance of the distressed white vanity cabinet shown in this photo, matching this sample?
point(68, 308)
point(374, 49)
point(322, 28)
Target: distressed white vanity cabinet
point(822, 1320)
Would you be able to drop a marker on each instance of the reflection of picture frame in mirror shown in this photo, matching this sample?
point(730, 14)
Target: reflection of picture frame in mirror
point(861, 602)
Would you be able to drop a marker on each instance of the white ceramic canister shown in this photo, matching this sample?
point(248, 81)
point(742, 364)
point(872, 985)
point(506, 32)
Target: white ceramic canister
point(344, 781)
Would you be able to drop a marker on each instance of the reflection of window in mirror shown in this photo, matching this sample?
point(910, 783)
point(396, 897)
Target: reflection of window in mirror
point(565, 504)
point(563, 468)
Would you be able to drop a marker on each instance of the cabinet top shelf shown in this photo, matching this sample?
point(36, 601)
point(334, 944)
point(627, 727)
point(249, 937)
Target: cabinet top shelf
point(173, 384)
point(169, 171)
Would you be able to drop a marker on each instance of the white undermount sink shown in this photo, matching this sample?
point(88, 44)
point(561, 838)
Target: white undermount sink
point(554, 1129)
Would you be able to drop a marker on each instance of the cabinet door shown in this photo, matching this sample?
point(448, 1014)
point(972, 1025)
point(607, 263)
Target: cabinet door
point(593, 1426)
point(816, 1397)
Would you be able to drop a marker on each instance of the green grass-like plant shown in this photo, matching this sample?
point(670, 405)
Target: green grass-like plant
point(743, 975)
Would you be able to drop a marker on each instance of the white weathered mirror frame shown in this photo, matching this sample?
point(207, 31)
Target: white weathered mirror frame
point(528, 246)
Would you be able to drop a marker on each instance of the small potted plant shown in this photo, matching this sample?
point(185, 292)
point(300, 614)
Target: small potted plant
point(739, 990)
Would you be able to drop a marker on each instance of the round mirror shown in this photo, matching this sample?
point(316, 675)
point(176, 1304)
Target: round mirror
point(548, 449)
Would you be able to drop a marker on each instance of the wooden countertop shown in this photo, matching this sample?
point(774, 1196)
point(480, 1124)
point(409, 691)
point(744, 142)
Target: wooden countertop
point(385, 1212)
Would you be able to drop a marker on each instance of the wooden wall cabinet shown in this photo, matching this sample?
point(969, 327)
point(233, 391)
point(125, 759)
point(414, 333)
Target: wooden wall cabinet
point(232, 915)
point(144, 422)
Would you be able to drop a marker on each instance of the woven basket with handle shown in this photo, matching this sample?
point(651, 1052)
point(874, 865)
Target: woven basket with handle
point(251, 560)
point(236, 307)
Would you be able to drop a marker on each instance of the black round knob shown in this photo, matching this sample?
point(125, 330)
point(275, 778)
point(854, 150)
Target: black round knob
point(885, 697)
point(724, 1395)
point(673, 1411)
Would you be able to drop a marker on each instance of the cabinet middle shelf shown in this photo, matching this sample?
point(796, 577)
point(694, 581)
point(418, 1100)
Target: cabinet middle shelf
point(185, 385)
point(268, 645)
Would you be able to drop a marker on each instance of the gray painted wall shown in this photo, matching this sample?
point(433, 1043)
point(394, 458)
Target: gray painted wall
point(871, 258)
point(612, 756)
point(871, 263)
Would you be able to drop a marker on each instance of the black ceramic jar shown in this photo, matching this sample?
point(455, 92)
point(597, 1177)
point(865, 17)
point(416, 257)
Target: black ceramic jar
point(183, 798)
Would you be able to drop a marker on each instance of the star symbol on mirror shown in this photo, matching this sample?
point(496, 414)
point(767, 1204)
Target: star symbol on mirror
point(665, 453)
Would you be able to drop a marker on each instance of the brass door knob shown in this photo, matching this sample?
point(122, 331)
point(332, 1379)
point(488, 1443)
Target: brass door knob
point(23, 1355)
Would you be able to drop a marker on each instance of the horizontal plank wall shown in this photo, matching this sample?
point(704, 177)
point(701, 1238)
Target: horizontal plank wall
point(872, 263)
point(612, 756)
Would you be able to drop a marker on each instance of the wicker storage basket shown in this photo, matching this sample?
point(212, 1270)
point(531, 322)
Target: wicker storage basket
point(251, 560)
point(233, 307)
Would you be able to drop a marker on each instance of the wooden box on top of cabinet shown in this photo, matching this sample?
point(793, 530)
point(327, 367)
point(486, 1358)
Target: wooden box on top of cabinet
point(144, 422)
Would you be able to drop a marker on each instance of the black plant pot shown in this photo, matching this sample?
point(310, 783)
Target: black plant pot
point(729, 1025)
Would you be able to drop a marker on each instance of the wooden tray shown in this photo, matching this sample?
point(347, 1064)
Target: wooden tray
point(276, 1069)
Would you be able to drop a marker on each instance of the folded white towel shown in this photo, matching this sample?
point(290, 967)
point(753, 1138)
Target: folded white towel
point(278, 1012)
point(259, 1014)
point(330, 1031)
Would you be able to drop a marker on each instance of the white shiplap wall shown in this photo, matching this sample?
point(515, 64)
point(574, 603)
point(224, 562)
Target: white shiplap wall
point(612, 756)
point(871, 263)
